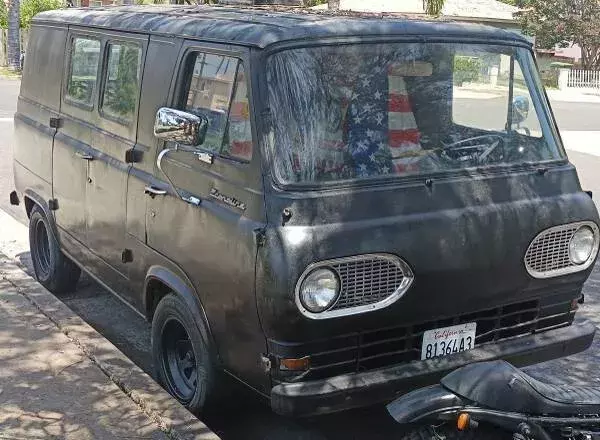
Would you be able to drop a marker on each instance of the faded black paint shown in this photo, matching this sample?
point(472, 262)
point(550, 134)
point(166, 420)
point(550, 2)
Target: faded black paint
point(463, 235)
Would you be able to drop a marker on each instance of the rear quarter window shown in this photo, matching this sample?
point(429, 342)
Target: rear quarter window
point(83, 70)
point(122, 81)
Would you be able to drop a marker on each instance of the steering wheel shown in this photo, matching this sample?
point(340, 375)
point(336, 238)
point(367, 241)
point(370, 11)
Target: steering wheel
point(477, 148)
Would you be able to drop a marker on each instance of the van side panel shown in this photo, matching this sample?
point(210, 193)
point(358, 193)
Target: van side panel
point(155, 91)
point(39, 100)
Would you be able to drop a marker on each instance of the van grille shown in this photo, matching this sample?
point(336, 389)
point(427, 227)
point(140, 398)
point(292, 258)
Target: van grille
point(550, 250)
point(548, 253)
point(369, 350)
point(367, 281)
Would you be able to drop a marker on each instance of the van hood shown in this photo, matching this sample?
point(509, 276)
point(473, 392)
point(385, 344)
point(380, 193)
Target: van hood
point(464, 238)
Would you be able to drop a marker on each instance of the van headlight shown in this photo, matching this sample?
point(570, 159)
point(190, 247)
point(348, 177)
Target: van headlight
point(581, 245)
point(319, 290)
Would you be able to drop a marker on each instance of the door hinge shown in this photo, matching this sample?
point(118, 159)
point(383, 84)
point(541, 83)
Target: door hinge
point(55, 122)
point(127, 256)
point(53, 204)
point(133, 156)
point(260, 235)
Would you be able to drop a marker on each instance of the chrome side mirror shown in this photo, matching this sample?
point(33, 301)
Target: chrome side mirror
point(520, 109)
point(180, 127)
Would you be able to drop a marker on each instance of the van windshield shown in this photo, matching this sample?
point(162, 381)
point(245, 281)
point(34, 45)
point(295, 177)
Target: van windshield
point(364, 111)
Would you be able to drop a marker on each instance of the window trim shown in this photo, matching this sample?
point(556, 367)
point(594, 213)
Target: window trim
point(69, 69)
point(183, 88)
point(104, 76)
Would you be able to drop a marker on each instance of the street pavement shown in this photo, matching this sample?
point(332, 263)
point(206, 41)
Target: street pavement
point(253, 419)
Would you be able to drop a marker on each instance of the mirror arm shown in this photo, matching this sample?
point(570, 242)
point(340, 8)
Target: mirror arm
point(191, 199)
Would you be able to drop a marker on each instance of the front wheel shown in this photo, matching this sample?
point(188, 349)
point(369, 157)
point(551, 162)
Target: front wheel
point(53, 269)
point(184, 361)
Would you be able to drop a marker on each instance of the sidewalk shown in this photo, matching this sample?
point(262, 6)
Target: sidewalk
point(574, 95)
point(49, 389)
point(60, 379)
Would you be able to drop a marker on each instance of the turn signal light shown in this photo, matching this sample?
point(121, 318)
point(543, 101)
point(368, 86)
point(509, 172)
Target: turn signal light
point(463, 422)
point(287, 364)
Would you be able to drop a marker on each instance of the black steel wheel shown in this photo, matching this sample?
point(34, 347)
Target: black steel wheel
point(184, 360)
point(181, 368)
point(54, 270)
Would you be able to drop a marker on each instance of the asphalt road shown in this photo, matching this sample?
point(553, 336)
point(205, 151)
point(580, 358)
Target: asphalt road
point(252, 419)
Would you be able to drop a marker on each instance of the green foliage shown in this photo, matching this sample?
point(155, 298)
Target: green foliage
point(3, 15)
point(563, 22)
point(30, 8)
point(550, 78)
point(466, 69)
point(433, 7)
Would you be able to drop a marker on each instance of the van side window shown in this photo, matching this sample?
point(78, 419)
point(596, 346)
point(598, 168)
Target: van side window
point(83, 70)
point(217, 90)
point(122, 81)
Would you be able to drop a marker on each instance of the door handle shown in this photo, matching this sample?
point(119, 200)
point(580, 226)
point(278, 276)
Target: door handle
point(84, 156)
point(154, 191)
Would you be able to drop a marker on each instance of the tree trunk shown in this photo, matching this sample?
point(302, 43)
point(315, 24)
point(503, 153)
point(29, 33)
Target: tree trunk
point(13, 43)
point(333, 4)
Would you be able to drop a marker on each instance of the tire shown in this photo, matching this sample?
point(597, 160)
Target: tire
point(53, 270)
point(185, 363)
point(448, 432)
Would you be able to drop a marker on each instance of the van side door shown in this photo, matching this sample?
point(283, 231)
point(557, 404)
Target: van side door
point(72, 150)
point(113, 139)
point(212, 235)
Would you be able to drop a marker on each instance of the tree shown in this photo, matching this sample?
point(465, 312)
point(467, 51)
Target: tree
point(564, 22)
point(3, 15)
point(433, 7)
point(30, 8)
point(13, 44)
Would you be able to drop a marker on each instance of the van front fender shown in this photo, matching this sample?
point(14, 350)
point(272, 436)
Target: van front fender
point(187, 293)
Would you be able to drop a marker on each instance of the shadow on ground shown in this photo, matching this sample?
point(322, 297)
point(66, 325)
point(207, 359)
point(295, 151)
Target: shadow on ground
point(251, 418)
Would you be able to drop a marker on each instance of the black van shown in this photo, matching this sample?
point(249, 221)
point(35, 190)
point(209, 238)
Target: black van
point(331, 210)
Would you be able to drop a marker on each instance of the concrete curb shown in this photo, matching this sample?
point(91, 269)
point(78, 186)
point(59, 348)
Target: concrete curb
point(157, 404)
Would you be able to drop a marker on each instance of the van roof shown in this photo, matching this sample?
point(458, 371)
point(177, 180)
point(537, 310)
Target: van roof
point(261, 27)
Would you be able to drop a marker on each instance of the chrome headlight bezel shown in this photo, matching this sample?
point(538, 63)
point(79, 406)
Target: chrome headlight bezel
point(316, 275)
point(333, 311)
point(570, 267)
point(589, 252)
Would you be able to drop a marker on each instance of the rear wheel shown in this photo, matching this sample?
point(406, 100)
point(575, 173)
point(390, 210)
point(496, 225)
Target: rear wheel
point(55, 271)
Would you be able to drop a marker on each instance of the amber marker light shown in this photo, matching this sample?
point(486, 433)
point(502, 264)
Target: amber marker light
point(301, 364)
point(463, 421)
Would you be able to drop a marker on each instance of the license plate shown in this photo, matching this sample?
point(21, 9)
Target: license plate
point(448, 340)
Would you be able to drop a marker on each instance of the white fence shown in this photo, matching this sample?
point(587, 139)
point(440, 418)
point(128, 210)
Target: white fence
point(584, 79)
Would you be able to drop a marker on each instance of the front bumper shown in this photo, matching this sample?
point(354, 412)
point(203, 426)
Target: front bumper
point(362, 389)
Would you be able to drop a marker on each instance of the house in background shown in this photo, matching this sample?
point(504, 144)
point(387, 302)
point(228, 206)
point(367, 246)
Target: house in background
point(490, 12)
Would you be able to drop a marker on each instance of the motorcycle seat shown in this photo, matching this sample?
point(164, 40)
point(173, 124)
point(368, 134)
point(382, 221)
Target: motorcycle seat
point(500, 386)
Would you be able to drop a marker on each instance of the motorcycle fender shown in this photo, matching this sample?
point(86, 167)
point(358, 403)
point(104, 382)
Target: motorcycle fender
point(423, 403)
